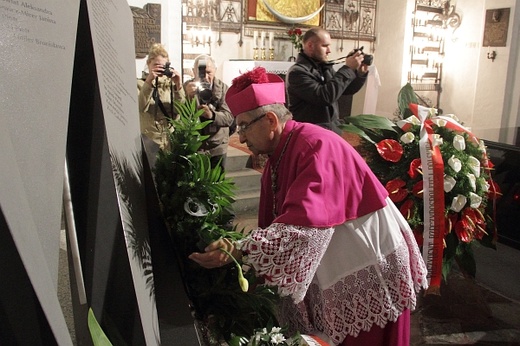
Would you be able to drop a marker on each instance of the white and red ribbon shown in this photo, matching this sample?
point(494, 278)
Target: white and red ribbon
point(433, 198)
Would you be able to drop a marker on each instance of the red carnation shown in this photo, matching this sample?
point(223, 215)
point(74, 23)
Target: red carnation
point(257, 75)
point(390, 150)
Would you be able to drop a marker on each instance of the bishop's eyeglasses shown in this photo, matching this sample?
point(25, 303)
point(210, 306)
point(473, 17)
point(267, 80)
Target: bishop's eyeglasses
point(241, 129)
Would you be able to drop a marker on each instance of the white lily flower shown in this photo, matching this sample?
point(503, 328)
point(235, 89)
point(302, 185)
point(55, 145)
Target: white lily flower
point(407, 123)
point(407, 138)
point(474, 165)
point(474, 200)
point(458, 203)
point(455, 163)
point(472, 181)
point(449, 183)
point(459, 143)
point(437, 140)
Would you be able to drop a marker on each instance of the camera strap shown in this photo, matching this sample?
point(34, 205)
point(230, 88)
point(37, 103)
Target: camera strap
point(158, 101)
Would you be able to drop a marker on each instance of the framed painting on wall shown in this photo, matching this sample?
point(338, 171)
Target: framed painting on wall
point(267, 11)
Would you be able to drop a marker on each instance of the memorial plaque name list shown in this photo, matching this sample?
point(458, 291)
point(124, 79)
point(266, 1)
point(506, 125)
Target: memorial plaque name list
point(147, 28)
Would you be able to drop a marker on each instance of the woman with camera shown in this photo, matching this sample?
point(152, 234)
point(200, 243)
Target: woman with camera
point(158, 88)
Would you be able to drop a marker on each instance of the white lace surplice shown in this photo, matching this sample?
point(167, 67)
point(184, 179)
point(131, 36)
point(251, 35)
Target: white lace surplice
point(344, 279)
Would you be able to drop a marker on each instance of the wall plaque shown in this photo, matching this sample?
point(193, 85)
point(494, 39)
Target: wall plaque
point(147, 28)
point(495, 28)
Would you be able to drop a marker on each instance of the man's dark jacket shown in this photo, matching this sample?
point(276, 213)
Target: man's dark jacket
point(313, 90)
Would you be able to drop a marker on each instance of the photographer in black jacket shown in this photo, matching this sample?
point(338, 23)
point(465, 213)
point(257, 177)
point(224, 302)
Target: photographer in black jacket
point(314, 87)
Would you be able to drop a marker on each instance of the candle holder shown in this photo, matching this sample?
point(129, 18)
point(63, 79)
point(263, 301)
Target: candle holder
point(271, 54)
point(255, 53)
point(263, 54)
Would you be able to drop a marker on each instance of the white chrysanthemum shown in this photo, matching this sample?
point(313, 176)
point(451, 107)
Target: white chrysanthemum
point(407, 138)
point(459, 143)
point(455, 163)
point(458, 203)
point(449, 183)
point(276, 330)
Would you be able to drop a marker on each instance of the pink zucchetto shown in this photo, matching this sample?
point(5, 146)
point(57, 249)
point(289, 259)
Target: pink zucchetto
point(254, 89)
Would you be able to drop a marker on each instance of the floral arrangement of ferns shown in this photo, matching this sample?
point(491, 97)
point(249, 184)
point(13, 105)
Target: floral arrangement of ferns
point(195, 200)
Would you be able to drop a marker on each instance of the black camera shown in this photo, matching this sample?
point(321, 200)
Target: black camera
point(167, 70)
point(204, 88)
point(367, 58)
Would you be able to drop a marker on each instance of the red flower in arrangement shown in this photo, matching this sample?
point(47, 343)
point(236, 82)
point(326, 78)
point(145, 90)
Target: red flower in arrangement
point(406, 209)
point(390, 150)
point(296, 36)
point(415, 168)
point(451, 220)
point(464, 231)
point(396, 190)
point(494, 191)
point(476, 221)
point(417, 189)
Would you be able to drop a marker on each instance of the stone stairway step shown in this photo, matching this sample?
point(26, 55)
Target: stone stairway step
point(236, 159)
point(246, 180)
point(247, 203)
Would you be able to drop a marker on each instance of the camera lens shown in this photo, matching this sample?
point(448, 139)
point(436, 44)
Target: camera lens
point(204, 92)
point(167, 71)
point(368, 59)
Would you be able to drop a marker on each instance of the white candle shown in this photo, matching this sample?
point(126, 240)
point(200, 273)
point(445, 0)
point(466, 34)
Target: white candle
point(255, 39)
point(271, 38)
point(262, 38)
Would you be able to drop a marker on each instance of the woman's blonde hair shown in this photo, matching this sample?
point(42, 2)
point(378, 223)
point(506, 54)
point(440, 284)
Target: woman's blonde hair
point(156, 50)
